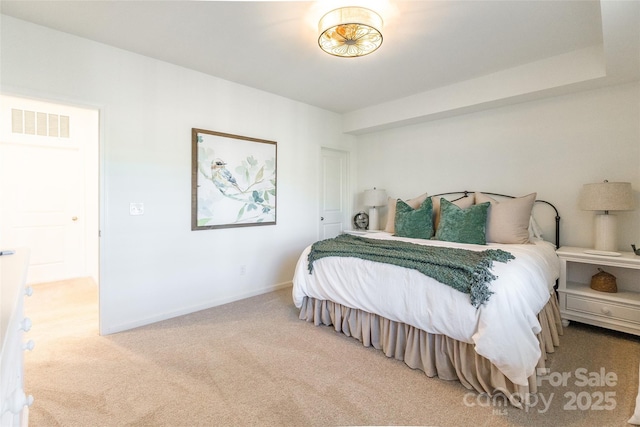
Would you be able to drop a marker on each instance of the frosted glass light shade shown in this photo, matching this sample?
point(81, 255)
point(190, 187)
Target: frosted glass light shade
point(350, 32)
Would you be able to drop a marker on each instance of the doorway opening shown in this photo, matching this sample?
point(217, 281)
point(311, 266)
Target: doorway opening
point(49, 189)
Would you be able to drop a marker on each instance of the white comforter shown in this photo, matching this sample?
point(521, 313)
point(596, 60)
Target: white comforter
point(503, 330)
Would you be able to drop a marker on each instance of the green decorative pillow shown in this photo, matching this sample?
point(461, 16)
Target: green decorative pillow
point(462, 225)
point(391, 210)
point(414, 223)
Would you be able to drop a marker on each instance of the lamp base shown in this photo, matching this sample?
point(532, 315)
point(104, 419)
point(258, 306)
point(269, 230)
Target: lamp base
point(374, 223)
point(605, 233)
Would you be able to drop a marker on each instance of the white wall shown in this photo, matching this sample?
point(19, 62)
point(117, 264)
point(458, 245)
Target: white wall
point(153, 266)
point(551, 146)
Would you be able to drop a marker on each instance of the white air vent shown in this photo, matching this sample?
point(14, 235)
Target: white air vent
point(30, 122)
point(64, 126)
point(38, 123)
point(41, 122)
point(16, 121)
point(53, 125)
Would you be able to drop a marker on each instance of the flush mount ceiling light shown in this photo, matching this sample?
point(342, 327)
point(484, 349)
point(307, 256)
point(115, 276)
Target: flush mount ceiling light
point(350, 32)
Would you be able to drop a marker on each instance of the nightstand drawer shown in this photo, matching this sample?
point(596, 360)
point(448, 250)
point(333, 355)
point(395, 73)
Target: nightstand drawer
point(603, 308)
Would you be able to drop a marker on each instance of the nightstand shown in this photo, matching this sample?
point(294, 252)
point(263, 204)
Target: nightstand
point(619, 311)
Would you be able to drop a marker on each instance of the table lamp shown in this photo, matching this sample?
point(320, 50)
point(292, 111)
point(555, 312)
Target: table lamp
point(374, 198)
point(606, 196)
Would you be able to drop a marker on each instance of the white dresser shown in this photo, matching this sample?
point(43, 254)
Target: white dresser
point(619, 311)
point(14, 403)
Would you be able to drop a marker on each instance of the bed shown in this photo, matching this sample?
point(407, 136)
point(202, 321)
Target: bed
point(494, 345)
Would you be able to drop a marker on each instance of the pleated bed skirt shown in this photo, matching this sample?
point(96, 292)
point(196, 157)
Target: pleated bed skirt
point(436, 355)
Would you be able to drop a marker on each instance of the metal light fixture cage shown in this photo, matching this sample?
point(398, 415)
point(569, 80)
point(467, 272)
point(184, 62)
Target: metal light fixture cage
point(350, 32)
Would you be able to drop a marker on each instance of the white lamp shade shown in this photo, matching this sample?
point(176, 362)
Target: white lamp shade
point(607, 196)
point(375, 197)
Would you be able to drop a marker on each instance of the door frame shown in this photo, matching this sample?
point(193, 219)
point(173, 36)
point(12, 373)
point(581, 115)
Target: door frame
point(95, 241)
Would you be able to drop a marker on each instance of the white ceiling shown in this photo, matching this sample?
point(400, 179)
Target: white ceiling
point(272, 46)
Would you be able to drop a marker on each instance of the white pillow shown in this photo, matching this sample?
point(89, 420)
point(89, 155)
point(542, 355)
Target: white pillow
point(635, 419)
point(391, 211)
point(508, 220)
point(535, 232)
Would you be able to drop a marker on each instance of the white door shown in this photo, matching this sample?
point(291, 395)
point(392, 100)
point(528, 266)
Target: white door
point(42, 186)
point(333, 192)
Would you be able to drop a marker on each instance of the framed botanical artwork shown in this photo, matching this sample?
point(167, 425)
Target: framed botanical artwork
point(233, 180)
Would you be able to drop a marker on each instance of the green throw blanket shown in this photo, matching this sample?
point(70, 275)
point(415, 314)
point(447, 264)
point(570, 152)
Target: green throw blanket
point(464, 270)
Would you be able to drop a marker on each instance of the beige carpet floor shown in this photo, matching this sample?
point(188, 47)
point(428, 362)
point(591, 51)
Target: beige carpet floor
point(253, 362)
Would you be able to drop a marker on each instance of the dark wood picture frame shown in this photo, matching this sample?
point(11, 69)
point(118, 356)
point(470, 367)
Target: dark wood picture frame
point(233, 180)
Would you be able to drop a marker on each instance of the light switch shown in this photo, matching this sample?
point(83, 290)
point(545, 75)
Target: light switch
point(136, 208)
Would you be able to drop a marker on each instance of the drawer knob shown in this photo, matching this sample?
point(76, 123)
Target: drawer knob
point(606, 311)
point(26, 324)
point(29, 345)
point(28, 291)
point(16, 401)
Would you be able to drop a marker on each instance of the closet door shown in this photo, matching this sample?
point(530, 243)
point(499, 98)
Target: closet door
point(334, 215)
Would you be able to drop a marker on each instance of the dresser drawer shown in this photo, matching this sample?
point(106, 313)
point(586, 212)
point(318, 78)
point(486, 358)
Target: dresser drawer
point(603, 308)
